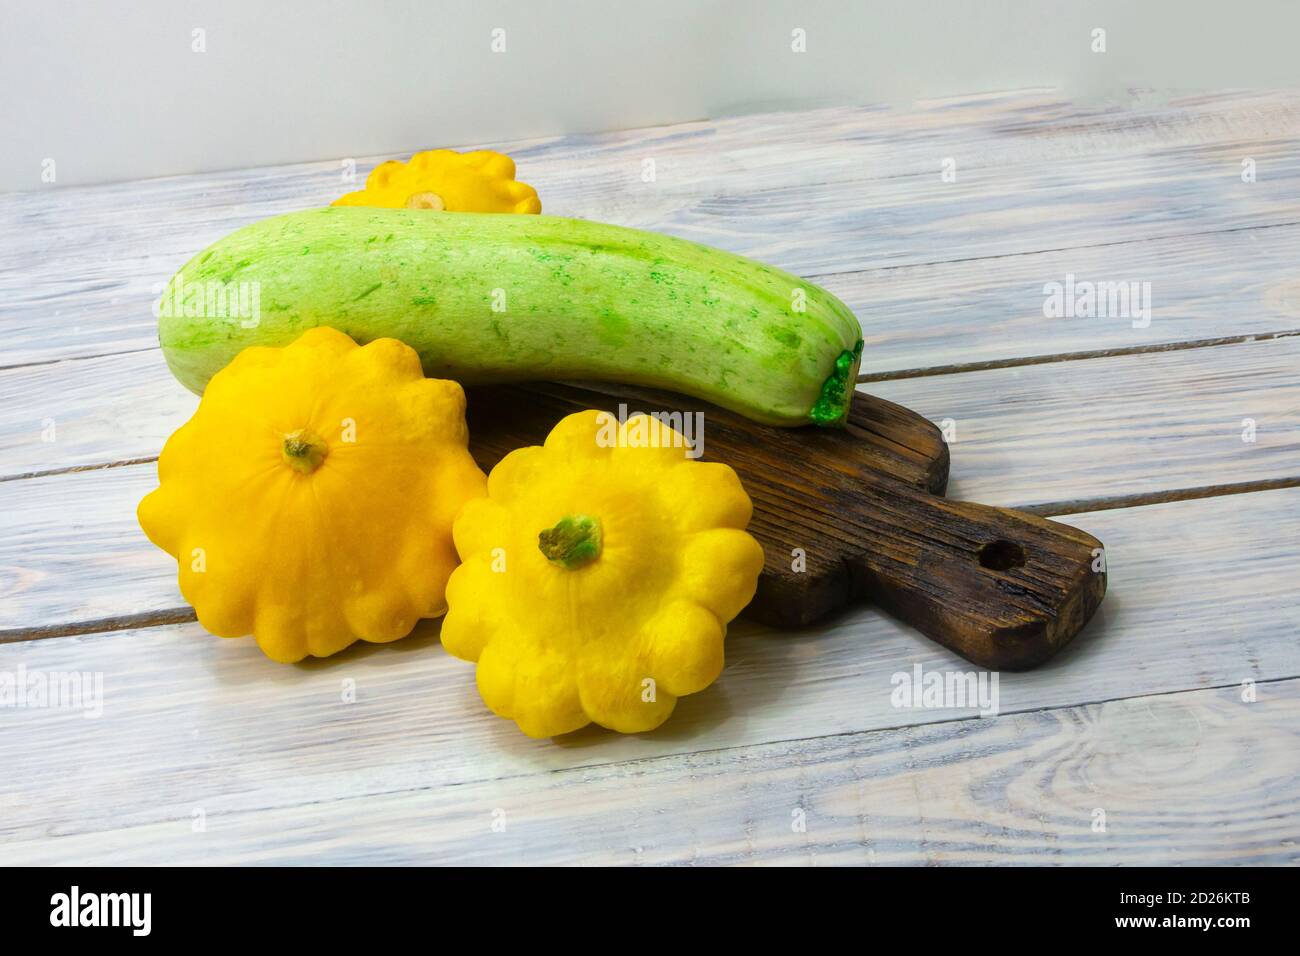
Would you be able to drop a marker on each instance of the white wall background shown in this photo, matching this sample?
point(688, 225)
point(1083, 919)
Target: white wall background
point(114, 90)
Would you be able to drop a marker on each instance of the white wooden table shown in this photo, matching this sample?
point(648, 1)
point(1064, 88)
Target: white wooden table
point(1169, 732)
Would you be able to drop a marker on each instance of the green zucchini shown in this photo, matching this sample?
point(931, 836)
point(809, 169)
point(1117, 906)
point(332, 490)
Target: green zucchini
point(486, 297)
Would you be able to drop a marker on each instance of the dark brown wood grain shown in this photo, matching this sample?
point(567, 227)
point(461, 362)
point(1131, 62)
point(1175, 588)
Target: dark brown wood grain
point(854, 514)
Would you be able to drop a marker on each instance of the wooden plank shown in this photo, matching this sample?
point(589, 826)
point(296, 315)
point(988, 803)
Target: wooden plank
point(831, 191)
point(121, 407)
point(1193, 778)
point(819, 230)
point(1234, 284)
point(851, 144)
point(1022, 437)
point(190, 720)
point(1112, 427)
point(71, 550)
point(88, 412)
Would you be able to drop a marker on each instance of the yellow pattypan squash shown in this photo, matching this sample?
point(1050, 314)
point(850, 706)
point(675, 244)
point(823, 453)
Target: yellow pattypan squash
point(310, 499)
point(481, 181)
point(599, 575)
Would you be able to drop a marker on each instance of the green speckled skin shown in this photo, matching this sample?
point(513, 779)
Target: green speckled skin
point(574, 300)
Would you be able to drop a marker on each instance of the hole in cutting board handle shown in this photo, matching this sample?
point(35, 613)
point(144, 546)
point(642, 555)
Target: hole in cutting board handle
point(1001, 555)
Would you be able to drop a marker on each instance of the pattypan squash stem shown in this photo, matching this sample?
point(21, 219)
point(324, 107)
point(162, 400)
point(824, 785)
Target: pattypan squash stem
point(425, 200)
point(573, 542)
point(304, 451)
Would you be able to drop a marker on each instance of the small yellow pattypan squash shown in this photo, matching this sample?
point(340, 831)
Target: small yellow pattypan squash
point(481, 181)
point(599, 575)
point(310, 499)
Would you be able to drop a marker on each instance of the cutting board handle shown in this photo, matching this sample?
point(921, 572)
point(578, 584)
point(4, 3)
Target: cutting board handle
point(1003, 588)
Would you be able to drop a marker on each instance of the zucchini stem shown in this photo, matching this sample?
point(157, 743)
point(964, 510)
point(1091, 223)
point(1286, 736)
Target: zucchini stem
point(832, 407)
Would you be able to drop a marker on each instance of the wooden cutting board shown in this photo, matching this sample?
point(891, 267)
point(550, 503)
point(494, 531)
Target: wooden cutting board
point(857, 514)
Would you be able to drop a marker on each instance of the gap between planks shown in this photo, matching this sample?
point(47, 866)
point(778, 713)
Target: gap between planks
point(959, 260)
point(867, 378)
point(184, 614)
point(1020, 362)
